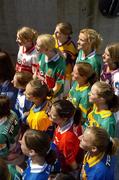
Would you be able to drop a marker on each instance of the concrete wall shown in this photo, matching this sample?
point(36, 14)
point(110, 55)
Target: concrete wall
point(44, 14)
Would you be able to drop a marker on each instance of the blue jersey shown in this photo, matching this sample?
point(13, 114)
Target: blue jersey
point(36, 172)
point(22, 105)
point(99, 167)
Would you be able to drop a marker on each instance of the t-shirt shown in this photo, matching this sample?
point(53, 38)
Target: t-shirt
point(80, 98)
point(93, 58)
point(104, 119)
point(27, 60)
point(68, 145)
point(52, 71)
point(69, 49)
point(38, 118)
point(100, 167)
point(9, 130)
point(36, 171)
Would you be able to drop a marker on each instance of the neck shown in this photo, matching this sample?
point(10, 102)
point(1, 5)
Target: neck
point(101, 106)
point(63, 40)
point(38, 160)
point(82, 84)
point(50, 54)
point(87, 52)
point(38, 102)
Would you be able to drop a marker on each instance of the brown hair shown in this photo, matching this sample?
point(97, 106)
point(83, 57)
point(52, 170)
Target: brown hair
point(39, 141)
point(23, 78)
point(85, 69)
point(93, 37)
point(103, 142)
point(65, 28)
point(27, 33)
point(4, 106)
point(66, 109)
point(40, 89)
point(106, 91)
point(114, 53)
point(6, 67)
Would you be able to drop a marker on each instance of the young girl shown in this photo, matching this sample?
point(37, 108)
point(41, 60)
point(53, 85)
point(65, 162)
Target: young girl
point(9, 132)
point(62, 113)
point(83, 77)
point(110, 71)
point(98, 162)
point(37, 92)
point(7, 72)
point(36, 145)
point(65, 44)
point(105, 102)
point(88, 44)
point(51, 65)
point(22, 106)
point(27, 59)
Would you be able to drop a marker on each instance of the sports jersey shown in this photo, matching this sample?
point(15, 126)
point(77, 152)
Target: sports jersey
point(103, 118)
point(71, 52)
point(100, 167)
point(105, 76)
point(36, 171)
point(7, 88)
point(52, 71)
point(22, 105)
point(27, 60)
point(15, 175)
point(38, 118)
point(115, 81)
point(93, 59)
point(9, 131)
point(80, 98)
point(68, 145)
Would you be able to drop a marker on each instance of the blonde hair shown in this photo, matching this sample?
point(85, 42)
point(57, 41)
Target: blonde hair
point(47, 41)
point(114, 52)
point(105, 91)
point(93, 37)
point(102, 140)
point(65, 28)
point(27, 33)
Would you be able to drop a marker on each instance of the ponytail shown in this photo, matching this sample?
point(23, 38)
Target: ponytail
point(113, 146)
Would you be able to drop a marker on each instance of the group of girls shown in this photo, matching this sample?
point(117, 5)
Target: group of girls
point(64, 107)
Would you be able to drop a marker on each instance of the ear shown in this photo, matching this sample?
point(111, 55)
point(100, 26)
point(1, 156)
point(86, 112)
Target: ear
point(94, 149)
point(31, 152)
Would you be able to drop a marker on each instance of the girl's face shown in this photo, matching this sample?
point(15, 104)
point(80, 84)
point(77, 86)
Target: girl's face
point(60, 36)
point(23, 42)
point(106, 56)
point(39, 46)
point(24, 148)
point(83, 43)
point(93, 95)
point(86, 140)
point(28, 92)
point(54, 117)
point(77, 77)
point(15, 81)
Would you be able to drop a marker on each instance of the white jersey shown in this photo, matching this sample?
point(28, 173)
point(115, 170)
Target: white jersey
point(27, 60)
point(115, 81)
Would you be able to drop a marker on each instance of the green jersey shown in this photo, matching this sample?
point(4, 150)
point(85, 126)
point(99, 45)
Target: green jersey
point(9, 129)
point(104, 119)
point(52, 71)
point(93, 59)
point(80, 98)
